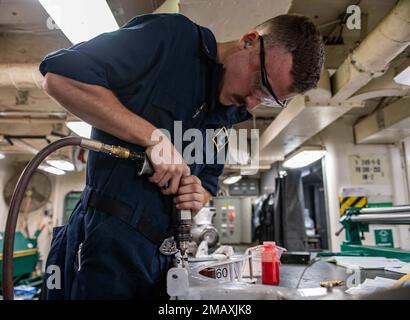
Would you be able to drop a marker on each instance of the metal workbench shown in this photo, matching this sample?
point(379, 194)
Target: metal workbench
point(309, 276)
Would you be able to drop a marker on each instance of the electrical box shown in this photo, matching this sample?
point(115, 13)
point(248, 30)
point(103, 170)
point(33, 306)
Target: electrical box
point(233, 219)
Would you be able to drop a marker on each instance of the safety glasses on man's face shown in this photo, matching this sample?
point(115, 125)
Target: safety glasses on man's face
point(269, 99)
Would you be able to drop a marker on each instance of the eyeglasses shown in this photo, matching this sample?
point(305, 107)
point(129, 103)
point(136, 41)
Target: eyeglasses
point(271, 99)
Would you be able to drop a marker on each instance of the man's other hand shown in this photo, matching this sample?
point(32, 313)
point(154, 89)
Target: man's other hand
point(169, 167)
point(191, 195)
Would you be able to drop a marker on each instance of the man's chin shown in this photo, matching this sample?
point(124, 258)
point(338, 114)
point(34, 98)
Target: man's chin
point(251, 106)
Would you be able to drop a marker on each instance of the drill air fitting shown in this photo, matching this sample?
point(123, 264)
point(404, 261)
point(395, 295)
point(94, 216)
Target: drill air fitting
point(115, 151)
point(142, 163)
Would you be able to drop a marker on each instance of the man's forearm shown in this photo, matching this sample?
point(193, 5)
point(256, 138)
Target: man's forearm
point(99, 107)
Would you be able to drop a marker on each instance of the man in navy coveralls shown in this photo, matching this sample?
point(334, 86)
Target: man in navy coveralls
point(157, 69)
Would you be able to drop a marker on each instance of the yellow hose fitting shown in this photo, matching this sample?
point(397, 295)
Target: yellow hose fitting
point(120, 152)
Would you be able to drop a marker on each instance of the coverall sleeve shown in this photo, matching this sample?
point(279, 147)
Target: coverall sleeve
point(115, 59)
point(210, 173)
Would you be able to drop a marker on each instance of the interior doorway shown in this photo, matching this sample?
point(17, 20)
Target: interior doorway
point(315, 207)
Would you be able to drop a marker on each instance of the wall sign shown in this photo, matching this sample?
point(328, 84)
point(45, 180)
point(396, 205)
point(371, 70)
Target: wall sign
point(384, 238)
point(368, 169)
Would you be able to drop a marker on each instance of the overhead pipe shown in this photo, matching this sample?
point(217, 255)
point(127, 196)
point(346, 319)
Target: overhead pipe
point(371, 59)
point(33, 117)
point(21, 76)
point(169, 6)
point(33, 114)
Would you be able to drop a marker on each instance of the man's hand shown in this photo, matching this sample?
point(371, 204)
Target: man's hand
point(191, 195)
point(169, 166)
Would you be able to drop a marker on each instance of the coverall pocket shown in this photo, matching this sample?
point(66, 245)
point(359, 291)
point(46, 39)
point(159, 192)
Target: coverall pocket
point(115, 263)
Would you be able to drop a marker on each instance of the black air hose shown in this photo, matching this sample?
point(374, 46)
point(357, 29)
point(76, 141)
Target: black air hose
point(143, 167)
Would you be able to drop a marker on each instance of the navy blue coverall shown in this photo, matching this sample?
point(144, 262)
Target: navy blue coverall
point(163, 68)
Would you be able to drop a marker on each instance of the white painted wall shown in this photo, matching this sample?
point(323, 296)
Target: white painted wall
point(6, 171)
point(339, 142)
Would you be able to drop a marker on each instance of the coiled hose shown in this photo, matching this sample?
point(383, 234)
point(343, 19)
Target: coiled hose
point(143, 167)
point(16, 200)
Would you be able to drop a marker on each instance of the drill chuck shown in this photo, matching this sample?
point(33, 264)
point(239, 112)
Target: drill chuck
point(182, 225)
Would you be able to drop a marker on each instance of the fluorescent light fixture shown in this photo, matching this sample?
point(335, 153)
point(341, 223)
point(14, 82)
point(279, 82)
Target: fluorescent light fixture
point(303, 157)
point(52, 170)
point(403, 77)
point(81, 20)
point(2, 155)
point(232, 179)
point(61, 164)
point(80, 128)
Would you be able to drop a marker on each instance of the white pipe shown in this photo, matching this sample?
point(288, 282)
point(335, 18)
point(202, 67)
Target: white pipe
point(21, 76)
point(396, 209)
point(390, 37)
point(169, 6)
point(385, 218)
point(20, 117)
point(371, 59)
point(33, 114)
point(323, 91)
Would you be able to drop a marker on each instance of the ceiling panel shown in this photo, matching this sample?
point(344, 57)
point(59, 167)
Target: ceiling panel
point(229, 19)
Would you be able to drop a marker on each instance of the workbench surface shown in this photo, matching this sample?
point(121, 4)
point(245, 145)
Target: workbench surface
point(292, 275)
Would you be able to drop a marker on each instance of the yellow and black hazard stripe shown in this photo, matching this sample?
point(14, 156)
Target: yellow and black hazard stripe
point(347, 202)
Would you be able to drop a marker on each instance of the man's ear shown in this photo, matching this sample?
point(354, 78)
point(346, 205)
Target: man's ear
point(249, 39)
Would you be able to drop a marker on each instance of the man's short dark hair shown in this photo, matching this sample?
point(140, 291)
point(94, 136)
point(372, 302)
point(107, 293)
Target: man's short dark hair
point(299, 36)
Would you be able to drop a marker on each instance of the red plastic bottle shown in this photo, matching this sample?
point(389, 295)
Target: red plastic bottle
point(270, 264)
